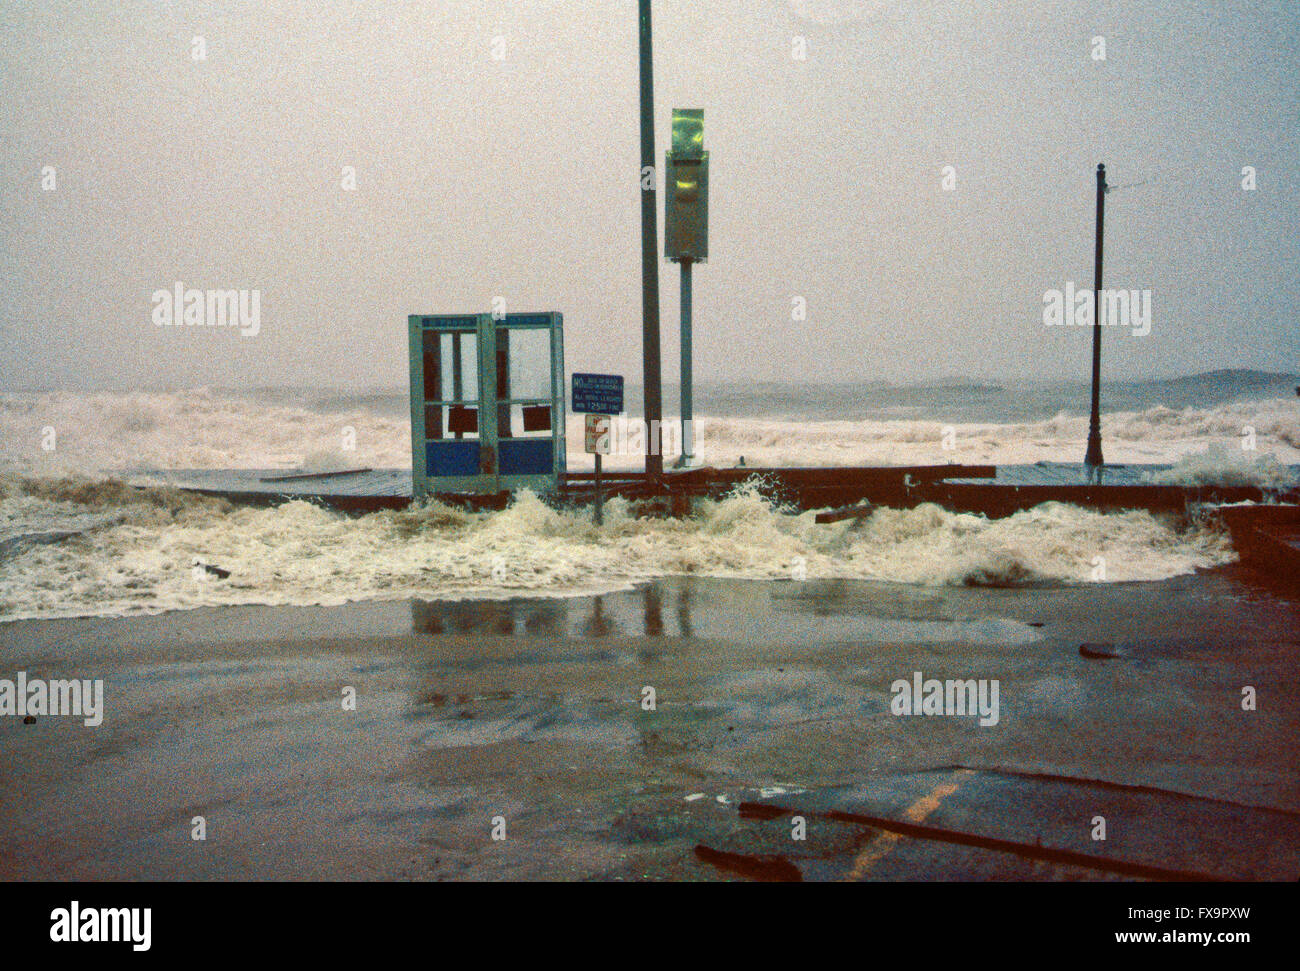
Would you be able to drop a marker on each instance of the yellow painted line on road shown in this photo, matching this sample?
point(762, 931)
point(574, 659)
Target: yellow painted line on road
point(879, 846)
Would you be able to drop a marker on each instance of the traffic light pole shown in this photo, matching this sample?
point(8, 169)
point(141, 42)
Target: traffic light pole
point(688, 403)
point(686, 240)
point(654, 462)
point(1093, 461)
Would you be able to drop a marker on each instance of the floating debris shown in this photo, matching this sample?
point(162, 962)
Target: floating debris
point(1098, 650)
point(771, 868)
point(216, 571)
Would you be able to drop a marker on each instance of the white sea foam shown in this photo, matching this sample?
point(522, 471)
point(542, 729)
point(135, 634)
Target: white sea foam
point(1154, 435)
point(136, 548)
point(194, 429)
point(112, 432)
point(297, 553)
point(1219, 465)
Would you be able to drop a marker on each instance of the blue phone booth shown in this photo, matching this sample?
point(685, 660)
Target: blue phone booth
point(487, 403)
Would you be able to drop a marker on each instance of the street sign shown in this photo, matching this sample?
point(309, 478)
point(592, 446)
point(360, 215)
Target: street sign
point(596, 439)
point(598, 394)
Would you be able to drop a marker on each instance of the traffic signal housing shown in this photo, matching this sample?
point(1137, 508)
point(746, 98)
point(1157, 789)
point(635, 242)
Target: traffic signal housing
point(686, 208)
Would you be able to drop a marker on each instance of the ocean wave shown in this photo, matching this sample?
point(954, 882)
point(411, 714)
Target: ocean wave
point(74, 539)
point(95, 434)
point(1222, 466)
point(147, 553)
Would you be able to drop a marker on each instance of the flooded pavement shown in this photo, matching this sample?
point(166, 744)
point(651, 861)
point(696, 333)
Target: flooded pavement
point(687, 729)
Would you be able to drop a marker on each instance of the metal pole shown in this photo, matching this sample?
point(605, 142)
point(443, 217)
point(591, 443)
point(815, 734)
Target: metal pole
point(654, 462)
point(600, 501)
point(1093, 461)
point(688, 435)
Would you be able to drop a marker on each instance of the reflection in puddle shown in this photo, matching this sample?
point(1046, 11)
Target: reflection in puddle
point(704, 608)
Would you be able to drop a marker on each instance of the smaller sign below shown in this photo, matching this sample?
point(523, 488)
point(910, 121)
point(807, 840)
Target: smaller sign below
point(597, 437)
point(598, 394)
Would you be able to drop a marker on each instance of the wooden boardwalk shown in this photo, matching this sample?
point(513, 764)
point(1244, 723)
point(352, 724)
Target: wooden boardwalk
point(1017, 487)
point(1064, 473)
point(362, 489)
point(993, 490)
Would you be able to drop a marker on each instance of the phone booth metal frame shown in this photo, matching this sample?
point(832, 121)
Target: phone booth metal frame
point(479, 423)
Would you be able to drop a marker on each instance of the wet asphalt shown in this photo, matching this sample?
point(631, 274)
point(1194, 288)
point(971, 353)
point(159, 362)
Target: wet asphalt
point(687, 729)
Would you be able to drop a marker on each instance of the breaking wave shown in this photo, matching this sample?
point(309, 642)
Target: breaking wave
point(94, 434)
point(75, 540)
point(1221, 466)
point(109, 549)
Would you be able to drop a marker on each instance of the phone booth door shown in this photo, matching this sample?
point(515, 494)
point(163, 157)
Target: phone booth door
point(487, 403)
point(529, 400)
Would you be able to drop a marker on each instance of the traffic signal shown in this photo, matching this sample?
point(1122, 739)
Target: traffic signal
point(686, 210)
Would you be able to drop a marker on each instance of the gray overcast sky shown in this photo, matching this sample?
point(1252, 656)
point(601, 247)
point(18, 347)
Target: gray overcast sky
point(479, 177)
